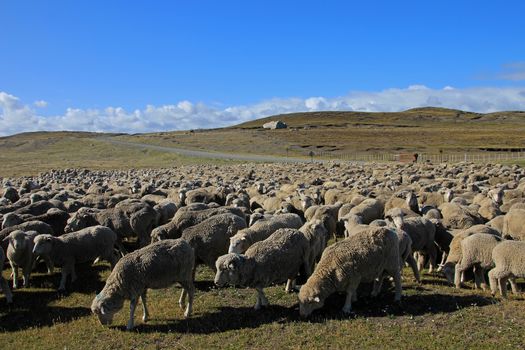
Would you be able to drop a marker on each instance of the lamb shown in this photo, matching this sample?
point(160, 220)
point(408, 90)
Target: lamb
point(278, 258)
point(261, 230)
point(476, 252)
point(69, 249)
point(3, 282)
point(126, 218)
point(186, 218)
point(508, 261)
point(210, 238)
point(362, 257)
point(155, 266)
point(20, 254)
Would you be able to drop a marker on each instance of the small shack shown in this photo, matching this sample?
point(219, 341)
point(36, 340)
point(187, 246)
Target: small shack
point(275, 125)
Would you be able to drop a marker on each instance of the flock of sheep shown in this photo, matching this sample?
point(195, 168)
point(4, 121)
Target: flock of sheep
point(257, 225)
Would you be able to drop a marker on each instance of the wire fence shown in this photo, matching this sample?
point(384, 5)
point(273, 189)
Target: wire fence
point(475, 157)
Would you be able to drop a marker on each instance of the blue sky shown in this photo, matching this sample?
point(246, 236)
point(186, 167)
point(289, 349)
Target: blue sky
point(212, 63)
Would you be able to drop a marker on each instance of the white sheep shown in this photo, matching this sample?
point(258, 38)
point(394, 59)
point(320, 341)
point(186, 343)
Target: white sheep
point(362, 257)
point(261, 230)
point(20, 254)
point(509, 265)
point(158, 265)
point(81, 246)
point(278, 258)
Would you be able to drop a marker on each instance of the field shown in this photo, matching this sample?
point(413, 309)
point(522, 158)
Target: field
point(430, 316)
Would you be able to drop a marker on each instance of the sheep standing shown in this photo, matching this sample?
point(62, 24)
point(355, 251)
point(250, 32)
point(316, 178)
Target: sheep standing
point(211, 238)
point(315, 233)
point(69, 249)
point(278, 258)
point(3, 282)
point(508, 257)
point(261, 230)
point(362, 257)
point(476, 252)
point(159, 265)
point(20, 254)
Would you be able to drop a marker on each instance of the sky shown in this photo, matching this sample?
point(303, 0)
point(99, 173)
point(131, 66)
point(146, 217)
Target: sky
point(140, 66)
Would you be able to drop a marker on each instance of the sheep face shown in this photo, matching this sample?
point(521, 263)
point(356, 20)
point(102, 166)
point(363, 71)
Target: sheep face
point(105, 308)
point(448, 271)
point(17, 239)
point(78, 221)
point(308, 301)
point(254, 218)
point(228, 269)
point(238, 245)
point(11, 219)
point(43, 245)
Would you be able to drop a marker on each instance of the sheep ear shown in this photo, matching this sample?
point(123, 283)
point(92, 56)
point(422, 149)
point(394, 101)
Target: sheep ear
point(231, 266)
point(102, 310)
point(6, 239)
point(243, 238)
point(317, 300)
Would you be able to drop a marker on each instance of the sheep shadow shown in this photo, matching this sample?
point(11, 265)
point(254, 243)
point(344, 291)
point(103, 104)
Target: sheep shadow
point(30, 309)
point(236, 318)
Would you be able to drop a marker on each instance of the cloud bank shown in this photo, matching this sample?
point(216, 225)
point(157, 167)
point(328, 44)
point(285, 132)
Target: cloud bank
point(16, 117)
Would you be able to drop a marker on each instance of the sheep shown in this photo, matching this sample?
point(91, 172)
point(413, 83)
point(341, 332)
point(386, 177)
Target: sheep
point(514, 224)
point(261, 230)
point(3, 282)
point(476, 251)
point(327, 215)
point(315, 233)
point(39, 226)
point(155, 266)
point(186, 218)
point(422, 232)
point(166, 210)
point(369, 210)
point(258, 216)
point(459, 217)
point(508, 261)
point(11, 194)
point(454, 255)
point(210, 238)
point(20, 254)
point(278, 258)
point(362, 257)
point(405, 253)
point(81, 246)
point(126, 218)
point(497, 223)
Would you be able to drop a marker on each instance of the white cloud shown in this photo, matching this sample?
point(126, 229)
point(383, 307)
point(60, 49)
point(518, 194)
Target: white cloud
point(40, 104)
point(17, 117)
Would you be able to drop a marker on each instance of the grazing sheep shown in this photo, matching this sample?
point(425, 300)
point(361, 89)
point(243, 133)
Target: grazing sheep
point(327, 215)
point(211, 238)
point(261, 230)
point(156, 266)
point(186, 218)
point(405, 252)
point(77, 247)
point(363, 257)
point(258, 216)
point(509, 264)
point(3, 282)
point(476, 252)
point(166, 210)
point(20, 254)
point(278, 258)
point(457, 216)
point(315, 233)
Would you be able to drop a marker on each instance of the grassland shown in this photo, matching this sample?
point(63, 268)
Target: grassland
point(430, 316)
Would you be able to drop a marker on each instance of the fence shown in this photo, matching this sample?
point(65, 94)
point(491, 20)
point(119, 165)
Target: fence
point(475, 157)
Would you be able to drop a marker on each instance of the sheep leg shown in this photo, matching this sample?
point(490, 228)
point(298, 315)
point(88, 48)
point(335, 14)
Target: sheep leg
point(432, 256)
point(478, 277)
point(73, 273)
point(6, 289)
point(413, 264)
point(378, 283)
point(14, 268)
point(189, 290)
point(290, 286)
point(261, 299)
point(145, 312)
point(351, 296)
point(502, 283)
point(514, 286)
point(493, 282)
point(182, 299)
point(397, 283)
point(443, 261)
point(66, 270)
point(26, 271)
point(49, 264)
point(420, 260)
point(459, 269)
point(132, 307)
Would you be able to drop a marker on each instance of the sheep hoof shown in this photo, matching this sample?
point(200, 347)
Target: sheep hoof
point(347, 311)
